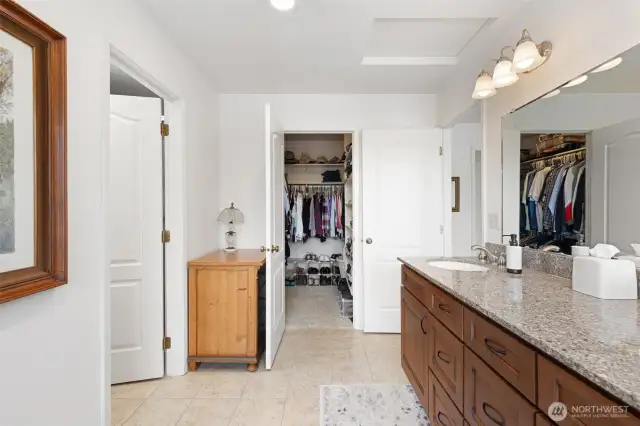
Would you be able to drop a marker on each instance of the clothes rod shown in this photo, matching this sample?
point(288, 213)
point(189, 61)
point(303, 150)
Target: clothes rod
point(549, 157)
point(317, 184)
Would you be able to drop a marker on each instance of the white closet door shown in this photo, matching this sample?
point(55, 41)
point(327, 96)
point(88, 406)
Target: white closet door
point(135, 226)
point(274, 146)
point(613, 173)
point(402, 215)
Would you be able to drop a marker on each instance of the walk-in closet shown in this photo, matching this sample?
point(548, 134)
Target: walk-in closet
point(318, 229)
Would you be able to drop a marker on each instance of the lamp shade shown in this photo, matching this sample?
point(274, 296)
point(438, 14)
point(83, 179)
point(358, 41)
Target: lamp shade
point(484, 87)
point(231, 215)
point(503, 75)
point(526, 56)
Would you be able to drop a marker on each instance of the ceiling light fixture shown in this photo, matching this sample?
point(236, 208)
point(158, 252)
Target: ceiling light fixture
point(283, 5)
point(576, 81)
point(528, 56)
point(503, 74)
point(551, 94)
point(608, 65)
point(484, 86)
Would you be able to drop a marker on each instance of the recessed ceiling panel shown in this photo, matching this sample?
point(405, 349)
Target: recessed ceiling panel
point(422, 37)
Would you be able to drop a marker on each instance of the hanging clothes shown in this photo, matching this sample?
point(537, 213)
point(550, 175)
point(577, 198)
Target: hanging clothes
point(312, 217)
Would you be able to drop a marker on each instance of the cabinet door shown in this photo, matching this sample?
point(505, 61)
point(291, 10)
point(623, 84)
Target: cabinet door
point(226, 312)
point(442, 411)
point(414, 343)
point(445, 360)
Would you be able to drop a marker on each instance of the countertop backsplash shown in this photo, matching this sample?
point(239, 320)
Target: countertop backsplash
point(558, 264)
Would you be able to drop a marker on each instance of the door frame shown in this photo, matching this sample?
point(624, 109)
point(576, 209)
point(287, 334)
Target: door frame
point(358, 285)
point(175, 292)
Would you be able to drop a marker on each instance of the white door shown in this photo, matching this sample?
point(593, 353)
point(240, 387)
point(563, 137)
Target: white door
point(402, 216)
point(274, 148)
point(135, 226)
point(612, 173)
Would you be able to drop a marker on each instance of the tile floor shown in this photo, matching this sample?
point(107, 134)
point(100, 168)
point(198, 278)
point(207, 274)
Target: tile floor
point(318, 348)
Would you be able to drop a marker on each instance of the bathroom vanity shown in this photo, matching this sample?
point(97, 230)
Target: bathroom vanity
point(491, 348)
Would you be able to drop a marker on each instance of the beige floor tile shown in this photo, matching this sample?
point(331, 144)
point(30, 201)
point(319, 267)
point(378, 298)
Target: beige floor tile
point(227, 385)
point(389, 374)
point(209, 412)
point(304, 385)
point(134, 390)
point(259, 412)
point(159, 412)
point(267, 384)
point(301, 412)
point(177, 387)
point(351, 377)
point(122, 409)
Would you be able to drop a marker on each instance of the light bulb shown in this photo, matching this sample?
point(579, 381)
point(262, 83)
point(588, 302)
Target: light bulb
point(576, 81)
point(484, 87)
point(608, 65)
point(503, 74)
point(283, 4)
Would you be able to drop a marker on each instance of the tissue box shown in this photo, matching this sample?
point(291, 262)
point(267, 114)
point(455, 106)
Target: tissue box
point(605, 278)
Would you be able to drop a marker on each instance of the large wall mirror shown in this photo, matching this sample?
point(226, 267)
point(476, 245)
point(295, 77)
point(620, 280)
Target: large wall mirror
point(571, 161)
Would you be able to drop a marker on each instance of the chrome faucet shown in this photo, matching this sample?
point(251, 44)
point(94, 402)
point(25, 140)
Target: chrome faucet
point(485, 253)
point(551, 248)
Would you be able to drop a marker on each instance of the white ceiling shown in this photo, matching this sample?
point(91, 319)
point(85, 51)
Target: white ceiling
point(246, 46)
point(122, 83)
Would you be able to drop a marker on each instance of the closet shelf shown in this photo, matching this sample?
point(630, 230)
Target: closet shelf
point(548, 157)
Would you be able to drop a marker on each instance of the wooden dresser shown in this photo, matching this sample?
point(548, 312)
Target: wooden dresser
point(227, 308)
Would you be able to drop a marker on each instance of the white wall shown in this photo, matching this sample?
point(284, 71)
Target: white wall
point(465, 139)
point(241, 165)
point(577, 48)
point(53, 359)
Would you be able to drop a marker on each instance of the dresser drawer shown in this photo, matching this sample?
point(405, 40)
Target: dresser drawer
point(555, 384)
point(489, 400)
point(446, 355)
point(416, 285)
point(511, 358)
point(447, 309)
point(442, 411)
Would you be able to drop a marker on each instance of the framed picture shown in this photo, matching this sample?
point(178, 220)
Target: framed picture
point(455, 194)
point(33, 189)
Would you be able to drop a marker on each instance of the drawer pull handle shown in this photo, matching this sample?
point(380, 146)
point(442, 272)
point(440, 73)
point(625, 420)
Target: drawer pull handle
point(493, 347)
point(444, 308)
point(445, 359)
point(421, 327)
point(442, 416)
point(499, 421)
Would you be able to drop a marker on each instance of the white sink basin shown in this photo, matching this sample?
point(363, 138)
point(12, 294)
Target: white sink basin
point(458, 266)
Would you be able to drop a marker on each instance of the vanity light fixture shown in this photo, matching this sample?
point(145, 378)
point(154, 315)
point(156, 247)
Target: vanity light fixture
point(283, 5)
point(484, 86)
point(503, 74)
point(607, 66)
point(528, 55)
point(576, 81)
point(551, 94)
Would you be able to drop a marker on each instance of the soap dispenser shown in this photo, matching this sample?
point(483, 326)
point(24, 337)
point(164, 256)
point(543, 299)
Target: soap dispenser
point(514, 255)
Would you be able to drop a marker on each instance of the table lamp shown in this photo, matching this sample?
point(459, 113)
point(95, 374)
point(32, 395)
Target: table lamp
point(230, 216)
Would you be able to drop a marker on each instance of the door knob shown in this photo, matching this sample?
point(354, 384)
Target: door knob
point(275, 249)
point(369, 241)
point(263, 249)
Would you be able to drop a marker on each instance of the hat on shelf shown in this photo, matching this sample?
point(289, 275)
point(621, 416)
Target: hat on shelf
point(289, 157)
point(306, 159)
point(334, 160)
point(322, 160)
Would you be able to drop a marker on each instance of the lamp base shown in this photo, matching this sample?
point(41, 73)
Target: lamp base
point(230, 249)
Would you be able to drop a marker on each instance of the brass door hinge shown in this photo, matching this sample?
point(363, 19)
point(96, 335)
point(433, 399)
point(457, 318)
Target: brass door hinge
point(164, 129)
point(166, 343)
point(166, 236)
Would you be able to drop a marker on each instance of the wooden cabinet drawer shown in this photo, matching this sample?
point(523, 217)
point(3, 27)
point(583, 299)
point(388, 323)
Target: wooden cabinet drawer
point(541, 420)
point(511, 358)
point(446, 355)
point(489, 400)
point(416, 285)
point(414, 343)
point(555, 384)
point(442, 411)
point(447, 309)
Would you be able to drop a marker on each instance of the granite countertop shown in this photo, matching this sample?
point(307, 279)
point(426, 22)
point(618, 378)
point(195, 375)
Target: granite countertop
point(598, 339)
